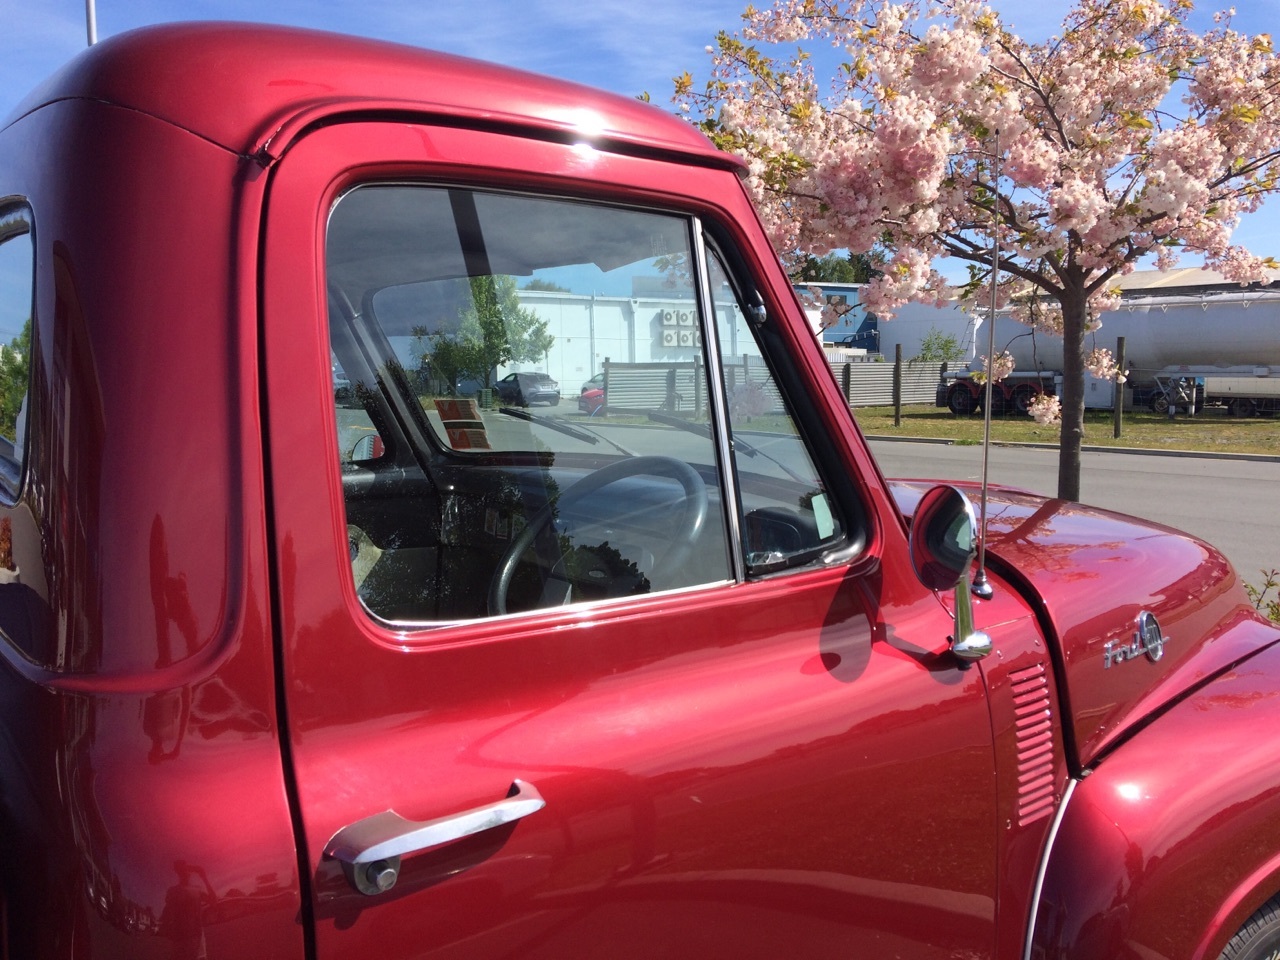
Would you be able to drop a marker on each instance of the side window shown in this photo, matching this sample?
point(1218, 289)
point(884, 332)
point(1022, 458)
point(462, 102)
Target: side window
point(788, 517)
point(528, 415)
point(17, 283)
point(523, 411)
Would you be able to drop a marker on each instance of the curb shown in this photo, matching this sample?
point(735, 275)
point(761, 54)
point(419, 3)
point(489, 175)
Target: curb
point(1089, 448)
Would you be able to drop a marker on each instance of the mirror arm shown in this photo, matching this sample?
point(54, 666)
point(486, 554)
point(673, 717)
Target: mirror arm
point(967, 643)
point(941, 547)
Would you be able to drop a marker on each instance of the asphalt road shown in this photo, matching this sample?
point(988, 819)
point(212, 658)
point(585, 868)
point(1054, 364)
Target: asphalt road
point(1232, 503)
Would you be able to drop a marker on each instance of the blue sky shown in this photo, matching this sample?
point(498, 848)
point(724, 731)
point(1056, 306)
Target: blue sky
point(626, 47)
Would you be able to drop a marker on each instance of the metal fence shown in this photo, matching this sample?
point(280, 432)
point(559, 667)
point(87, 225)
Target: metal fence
point(679, 387)
point(871, 384)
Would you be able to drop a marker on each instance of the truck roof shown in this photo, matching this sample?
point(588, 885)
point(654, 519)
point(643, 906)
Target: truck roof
point(241, 85)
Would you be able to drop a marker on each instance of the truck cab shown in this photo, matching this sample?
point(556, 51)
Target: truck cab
point(288, 671)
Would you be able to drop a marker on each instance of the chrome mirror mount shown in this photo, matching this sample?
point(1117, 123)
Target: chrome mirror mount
point(943, 533)
point(967, 642)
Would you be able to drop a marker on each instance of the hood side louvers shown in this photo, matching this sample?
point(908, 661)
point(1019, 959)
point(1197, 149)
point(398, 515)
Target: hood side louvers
point(1034, 724)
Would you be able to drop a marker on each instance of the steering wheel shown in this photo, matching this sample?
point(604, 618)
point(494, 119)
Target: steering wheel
point(694, 503)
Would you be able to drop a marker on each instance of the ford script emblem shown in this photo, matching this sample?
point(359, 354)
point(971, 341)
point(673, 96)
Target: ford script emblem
point(1148, 640)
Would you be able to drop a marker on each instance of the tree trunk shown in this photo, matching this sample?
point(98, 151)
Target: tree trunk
point(1074, 314)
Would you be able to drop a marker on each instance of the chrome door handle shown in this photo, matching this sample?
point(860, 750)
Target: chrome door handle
point(370, 849)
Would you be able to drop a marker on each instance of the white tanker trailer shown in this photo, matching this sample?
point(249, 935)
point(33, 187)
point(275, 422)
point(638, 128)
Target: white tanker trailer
point(1221, 343)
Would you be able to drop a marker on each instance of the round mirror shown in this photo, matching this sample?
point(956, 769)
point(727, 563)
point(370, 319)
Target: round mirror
point(943, 535)
point(368, 447)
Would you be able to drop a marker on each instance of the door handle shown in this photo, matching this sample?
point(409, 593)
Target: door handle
point(370, 849)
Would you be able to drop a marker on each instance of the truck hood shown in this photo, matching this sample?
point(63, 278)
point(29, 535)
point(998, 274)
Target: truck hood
point(1090, 574)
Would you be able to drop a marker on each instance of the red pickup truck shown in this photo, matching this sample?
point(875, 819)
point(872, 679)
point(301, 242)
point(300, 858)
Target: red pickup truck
point(294, 669)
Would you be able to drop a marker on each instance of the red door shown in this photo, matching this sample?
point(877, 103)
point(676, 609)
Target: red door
point(651, 681)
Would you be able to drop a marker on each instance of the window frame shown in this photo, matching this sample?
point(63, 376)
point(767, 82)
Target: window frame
point(405, 421)
point(722, 436)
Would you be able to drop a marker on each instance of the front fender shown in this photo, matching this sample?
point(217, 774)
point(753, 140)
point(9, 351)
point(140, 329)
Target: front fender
point(1173, 840)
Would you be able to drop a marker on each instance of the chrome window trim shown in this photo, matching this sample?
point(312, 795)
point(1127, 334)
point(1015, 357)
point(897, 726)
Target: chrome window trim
point(730, 500)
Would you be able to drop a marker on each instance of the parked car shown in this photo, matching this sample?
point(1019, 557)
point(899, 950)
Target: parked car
point(425, 678)
point(527, 387)
point(591, 401)
point(596, 381)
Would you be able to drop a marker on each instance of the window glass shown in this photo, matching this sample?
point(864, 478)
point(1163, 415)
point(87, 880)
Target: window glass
point(523, 409)
point(787, 516)
point(17, 273)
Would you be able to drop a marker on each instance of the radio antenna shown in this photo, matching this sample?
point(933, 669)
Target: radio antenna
point(91, 21)
point(981, 586)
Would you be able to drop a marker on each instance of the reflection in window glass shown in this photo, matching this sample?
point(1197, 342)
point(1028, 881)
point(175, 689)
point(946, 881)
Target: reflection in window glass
point(17, 264)
point(787, 514)
point(524, 411)
point(533, 371)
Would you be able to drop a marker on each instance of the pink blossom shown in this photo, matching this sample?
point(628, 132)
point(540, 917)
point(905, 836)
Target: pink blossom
point(999, 370)
point(1125, 136)
point(833, 313)
point(1102, 365)
point(1033, 161)
point(1105, 300)
point(906, 276)
point(1077, 205)
point(1045, 409)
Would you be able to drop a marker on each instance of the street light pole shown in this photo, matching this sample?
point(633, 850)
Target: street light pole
point(91, 21)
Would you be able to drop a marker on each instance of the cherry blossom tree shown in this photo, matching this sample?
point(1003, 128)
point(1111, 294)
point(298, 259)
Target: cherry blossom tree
point(1128, 135)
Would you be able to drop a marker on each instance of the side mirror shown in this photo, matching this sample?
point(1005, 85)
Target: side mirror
point(368, 447)
point(943, 537)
